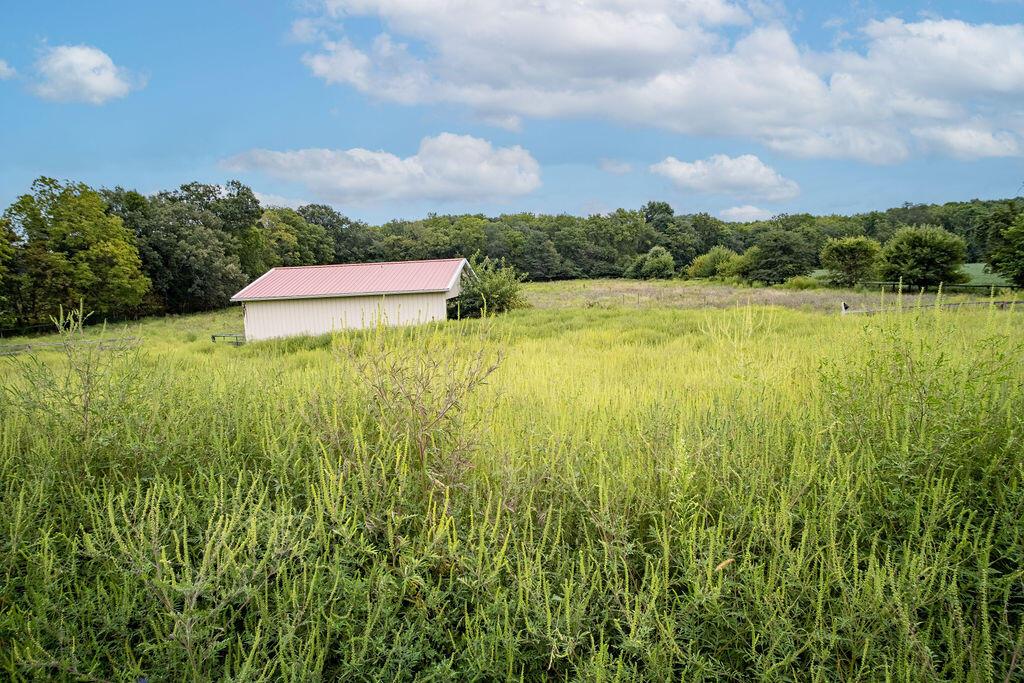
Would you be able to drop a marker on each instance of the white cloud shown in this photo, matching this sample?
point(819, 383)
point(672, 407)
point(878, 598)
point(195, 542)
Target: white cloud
point(744, 214)
point(81, 73)
point(6, 71)
point(969, 142)
point(446, 167)
point(742, 176)
point(276, 200)
point(616, 167)
point(699, 67)
point(307, 30)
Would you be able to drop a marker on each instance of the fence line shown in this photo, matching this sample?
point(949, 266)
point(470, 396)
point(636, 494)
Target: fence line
point(1002, 305)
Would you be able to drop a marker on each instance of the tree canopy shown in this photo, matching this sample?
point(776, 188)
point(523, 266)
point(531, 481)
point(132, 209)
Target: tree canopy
point(123, 253)
point(925, 255)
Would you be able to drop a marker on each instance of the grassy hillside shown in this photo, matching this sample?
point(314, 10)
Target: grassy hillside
point(978, 276)
point(632, 494)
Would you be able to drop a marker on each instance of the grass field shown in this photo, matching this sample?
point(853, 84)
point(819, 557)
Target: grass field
point(652, 493)
point(978, 276)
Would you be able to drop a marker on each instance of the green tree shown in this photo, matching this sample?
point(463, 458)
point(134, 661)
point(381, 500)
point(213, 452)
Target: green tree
point(8, 249)
point(781, 255)
point(1007, 258)
point(850, 260)
point(353, 241)
point(185, 255)
point(658, 215)
point(924, 256)
point(72, 251)
point(235, 204)
point(293, 241)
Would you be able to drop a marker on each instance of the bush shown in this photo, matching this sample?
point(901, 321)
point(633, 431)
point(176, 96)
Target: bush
point(657, 264)
point(801, 282)
point(781, 255)
point(740, 265)
point(708, 265)
point(491, 287)
point(924, 256)
point(850, 260)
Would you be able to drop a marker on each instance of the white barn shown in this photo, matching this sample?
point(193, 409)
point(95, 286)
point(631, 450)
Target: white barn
point(311, 300)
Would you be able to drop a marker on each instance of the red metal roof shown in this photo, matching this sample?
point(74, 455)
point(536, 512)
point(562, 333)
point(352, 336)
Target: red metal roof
point(353, 279)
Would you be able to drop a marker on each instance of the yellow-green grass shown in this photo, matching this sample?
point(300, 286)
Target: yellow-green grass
point(648, 494)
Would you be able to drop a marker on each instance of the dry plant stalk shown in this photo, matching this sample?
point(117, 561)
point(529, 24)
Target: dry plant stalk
point(419, 391)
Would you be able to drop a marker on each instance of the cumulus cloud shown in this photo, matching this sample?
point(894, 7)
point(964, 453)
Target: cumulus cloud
point(6, 71)
point(446, 167)
point(969, 142)
point(616, 167)
point(701, 67)
point(744, 214)
point(742, 176)
point(81, 73)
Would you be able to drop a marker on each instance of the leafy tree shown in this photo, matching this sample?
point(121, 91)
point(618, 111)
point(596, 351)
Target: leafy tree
point(707, 265)
point(781, 255)
point(72, 251)
point(924, 256)
point(658, 215)
point(1007, 258)
point(293, 241)
point(488, 286)
point(234, 204)
point(850, 260)
point(8, 249)
point(679, 238)
point(187, 258)
point(352, 240)
point(711, 232)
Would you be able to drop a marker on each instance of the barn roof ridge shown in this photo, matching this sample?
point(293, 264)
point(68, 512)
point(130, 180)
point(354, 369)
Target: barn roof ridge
point(369, 263)
point(354, 279)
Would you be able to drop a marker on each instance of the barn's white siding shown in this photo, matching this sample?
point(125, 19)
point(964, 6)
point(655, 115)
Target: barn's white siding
point(290, 317)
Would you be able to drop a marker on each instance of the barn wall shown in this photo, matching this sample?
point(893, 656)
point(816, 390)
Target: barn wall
point(270, 319)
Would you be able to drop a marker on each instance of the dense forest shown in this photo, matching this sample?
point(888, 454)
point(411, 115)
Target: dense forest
point(125, 254)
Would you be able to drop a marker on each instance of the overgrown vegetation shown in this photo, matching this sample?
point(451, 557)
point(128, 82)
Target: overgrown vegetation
point(752, 493)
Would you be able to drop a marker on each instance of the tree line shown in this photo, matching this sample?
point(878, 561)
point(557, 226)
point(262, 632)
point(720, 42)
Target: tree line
point(123, 253)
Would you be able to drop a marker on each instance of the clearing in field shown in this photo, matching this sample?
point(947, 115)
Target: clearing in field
point(583, 490)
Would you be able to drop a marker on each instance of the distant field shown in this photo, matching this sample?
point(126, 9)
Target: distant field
point(640, 491)
point(976, 271)
point(696, 294)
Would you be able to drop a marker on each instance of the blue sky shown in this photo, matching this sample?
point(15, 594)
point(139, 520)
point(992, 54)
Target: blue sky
point(394, 108)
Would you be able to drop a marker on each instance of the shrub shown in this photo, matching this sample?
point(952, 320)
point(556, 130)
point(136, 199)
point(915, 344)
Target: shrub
point(491, 287)
point(925, 255)
point(801, 282)
point(739, 265)
point(657, 264)
point(708, 265)
point(849, 260)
